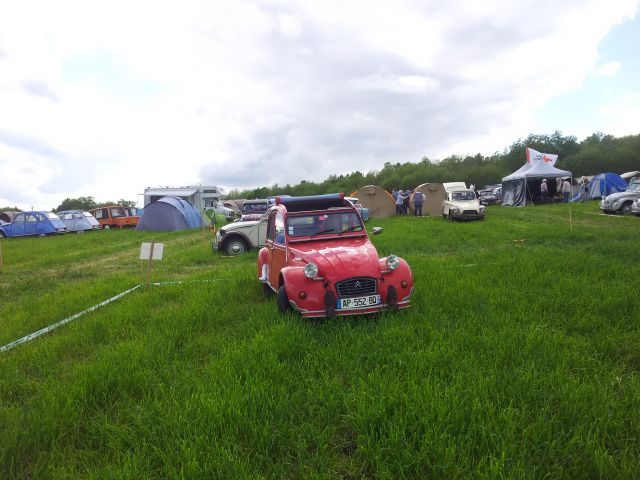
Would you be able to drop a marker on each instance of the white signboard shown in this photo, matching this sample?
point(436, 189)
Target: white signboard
point(145, 251)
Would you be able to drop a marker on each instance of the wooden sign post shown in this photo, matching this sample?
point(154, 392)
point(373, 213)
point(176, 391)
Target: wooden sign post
point(151, 251)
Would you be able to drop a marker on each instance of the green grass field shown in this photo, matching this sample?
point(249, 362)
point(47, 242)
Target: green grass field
point(519, 358)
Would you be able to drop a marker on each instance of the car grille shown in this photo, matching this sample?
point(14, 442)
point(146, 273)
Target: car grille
point(357, 286)
point(469, 212)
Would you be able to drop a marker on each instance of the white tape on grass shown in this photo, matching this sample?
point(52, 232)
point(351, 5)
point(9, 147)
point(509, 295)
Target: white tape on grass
point(9, 346)
point(33, 335)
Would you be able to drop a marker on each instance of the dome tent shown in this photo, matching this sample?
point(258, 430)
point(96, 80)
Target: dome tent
point(168, 214)
point(602, 185)
point(379, 202)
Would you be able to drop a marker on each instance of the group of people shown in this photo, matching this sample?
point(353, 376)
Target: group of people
point(564, 190)
point(402, 201)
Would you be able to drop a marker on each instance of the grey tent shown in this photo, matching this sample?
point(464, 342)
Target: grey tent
point(523, 185)
point(169, 214)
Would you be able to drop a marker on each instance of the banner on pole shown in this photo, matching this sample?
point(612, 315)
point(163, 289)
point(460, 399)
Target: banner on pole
point(534, 156)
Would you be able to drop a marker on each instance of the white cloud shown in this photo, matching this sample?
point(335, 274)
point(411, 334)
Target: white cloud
point(243, 93)
point(608, 69)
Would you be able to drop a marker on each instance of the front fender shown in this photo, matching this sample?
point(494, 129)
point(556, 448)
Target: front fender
point(263, 259)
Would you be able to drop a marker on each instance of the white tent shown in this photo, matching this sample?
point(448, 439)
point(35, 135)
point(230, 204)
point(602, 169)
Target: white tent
point(523, 185)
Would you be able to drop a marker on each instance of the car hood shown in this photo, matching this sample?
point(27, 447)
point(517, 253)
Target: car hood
point(230, 227)
point(621, 195)
point(341, 258)
point(466, 203)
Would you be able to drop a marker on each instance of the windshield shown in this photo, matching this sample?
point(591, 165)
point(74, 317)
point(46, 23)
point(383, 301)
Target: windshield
point(249, 208)
point(117, 212)
point(634, 187)
point(463, 196)
point(323, 223)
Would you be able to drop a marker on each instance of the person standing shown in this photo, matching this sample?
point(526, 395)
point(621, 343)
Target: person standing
point(584, 190)
point(566, 190)
point(418, 199)
point(544, 191)
point(394, 194)
point(399, 203)
point(405, 202)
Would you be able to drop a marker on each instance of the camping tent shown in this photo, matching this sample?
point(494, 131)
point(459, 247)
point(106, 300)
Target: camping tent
point(379, 202)
point(434, 196)
point(602, 185)
point(168, 214)
point(523, 185)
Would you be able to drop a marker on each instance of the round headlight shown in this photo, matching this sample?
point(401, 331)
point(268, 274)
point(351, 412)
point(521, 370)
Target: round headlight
point(310, 270)
point(393, 262)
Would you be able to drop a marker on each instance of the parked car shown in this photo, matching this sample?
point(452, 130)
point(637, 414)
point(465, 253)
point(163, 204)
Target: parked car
point(78, 221)
point(228, 213)
point(462, 204)
point(364, 211)
point(320, 262)
point(114, 216)
point(33, 223)
point(240, 237)
point(487, 197)
point(620, 202)
point(254, 209)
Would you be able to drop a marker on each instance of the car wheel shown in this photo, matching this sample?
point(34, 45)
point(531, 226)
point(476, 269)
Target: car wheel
point(450, 216)
point(625, 208)
point(235, 246)
point(266, 290)
point(282, 300)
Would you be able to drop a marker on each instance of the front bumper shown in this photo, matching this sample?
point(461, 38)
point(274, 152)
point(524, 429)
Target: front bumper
point(467, 216)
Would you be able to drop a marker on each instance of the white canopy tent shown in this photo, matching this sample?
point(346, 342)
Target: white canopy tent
point(523, 185)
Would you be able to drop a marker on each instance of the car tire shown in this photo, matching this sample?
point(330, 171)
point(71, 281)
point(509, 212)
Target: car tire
point(625, 208)
point(266, 290)
point(450, 216)
point(235, 246)
point(282, 300)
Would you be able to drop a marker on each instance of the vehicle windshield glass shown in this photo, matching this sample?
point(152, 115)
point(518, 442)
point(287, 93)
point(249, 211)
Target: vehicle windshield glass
point(463, 196)
point(323, 223)
point(117, 212)
point(634, 187)
point(254, 208)
point(51, 215)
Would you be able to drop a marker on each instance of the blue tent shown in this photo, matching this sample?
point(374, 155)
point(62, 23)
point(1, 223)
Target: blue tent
point(168, 214)
point(602, 185)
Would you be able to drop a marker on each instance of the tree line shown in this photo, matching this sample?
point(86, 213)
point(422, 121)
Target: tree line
point(597, 153)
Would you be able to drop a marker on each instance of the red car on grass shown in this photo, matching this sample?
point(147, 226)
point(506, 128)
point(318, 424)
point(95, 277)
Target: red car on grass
point(320, 261)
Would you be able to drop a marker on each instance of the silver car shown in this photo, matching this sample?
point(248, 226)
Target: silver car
point(78, 221)
point(621, 202)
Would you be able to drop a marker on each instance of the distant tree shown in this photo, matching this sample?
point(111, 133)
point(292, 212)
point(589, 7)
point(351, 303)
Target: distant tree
point(126, 203)
point(81, 203)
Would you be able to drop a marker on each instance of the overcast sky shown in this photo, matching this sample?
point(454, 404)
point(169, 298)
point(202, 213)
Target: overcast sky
point(106, 98)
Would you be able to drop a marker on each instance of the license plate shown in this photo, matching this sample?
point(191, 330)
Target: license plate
point(357, 302)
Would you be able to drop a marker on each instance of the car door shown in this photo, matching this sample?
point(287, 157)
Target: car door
point(30, 224)
point(17, 226)
point(276, 246)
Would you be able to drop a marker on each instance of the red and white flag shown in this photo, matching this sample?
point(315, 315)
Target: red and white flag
point(534, 157)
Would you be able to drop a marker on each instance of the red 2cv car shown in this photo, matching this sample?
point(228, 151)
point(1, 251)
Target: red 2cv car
point(320, 261)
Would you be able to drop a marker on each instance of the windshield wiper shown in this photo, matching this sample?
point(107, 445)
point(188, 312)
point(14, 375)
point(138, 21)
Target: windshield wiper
point(326, 230)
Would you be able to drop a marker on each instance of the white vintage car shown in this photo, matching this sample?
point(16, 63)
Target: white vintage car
point(462, 204)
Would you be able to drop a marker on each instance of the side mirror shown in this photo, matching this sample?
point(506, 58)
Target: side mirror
point(376, 230)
